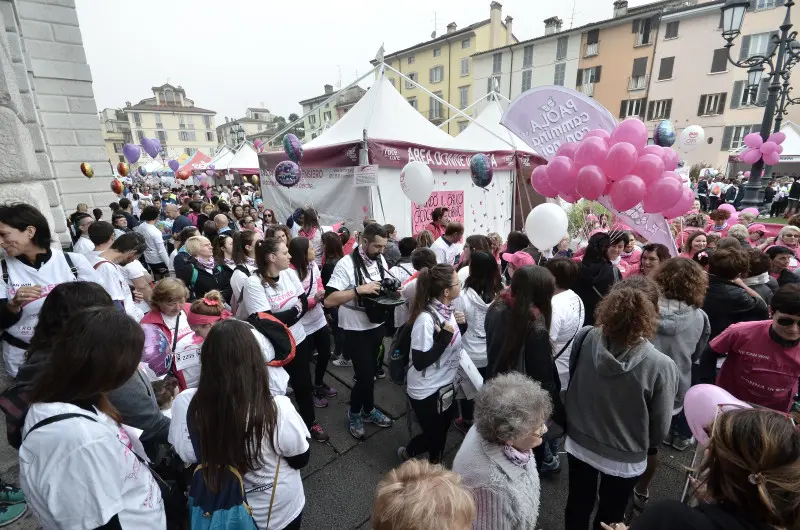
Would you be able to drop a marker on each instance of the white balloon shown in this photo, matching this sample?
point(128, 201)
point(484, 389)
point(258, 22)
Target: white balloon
point(546, 225)
point(416, 180)
point(691, 138)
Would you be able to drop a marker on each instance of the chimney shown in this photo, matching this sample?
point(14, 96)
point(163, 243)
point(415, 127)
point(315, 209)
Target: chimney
point(451, 28)
point(227, 119)
point(262, 105)
point(620, 8)
point(329, 89)
point(495, 25)
point(552, 25)
point(509, 33)
point(127, 103)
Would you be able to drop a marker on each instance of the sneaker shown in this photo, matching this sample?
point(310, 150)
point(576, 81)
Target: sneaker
point(640, 500)
point(402, 454)
point(11, 495)
point(341, 362)
point(378, 418)
point(462, 425)
point(668, 439)
point(380, 373)
point(318, 433)
point(550, 466)
point(324, 390)
point(356, 425)
point(12, 512)
point(319, 401)
point(681, 443)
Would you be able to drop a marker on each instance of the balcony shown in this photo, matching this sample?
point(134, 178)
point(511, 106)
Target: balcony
point(587, 89)
point(592, 50)
point(182, 126)
point(436, 115)
point(643, 39)
point(636, 83)
point(159, 125)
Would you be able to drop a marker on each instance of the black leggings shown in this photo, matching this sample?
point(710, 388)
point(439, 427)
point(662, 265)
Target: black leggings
point(434, 428)
point(300, 378)
point(613, 496)
point(295, 525)
point(338, 334)
point(363, 348)
point(321, 341)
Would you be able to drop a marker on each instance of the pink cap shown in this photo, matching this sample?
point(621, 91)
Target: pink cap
point(519, 259)
point(757, 227)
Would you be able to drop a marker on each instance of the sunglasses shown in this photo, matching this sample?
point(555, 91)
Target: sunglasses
point(786, 321)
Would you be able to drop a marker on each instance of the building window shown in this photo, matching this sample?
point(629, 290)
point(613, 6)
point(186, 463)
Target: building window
point(465, 43)
point(497, 63)
point(326, 116)
point(672, 30)
point(643, 29)
point(139, 135)
point(413, 103)
point(190, 150)
point(159, 124)
point(118, 147)
point(186, 136)
point(638, 79)
point(137, 119)
point(743, 96)
point(561, 48)
point(190, 121)
point(207, 121)
point(437, 109)
point(437, 52)
point(410, 59)
point(560, 74)
point(181, 121)
point(210, 136)
point(412, 76)
point(462, 125)
point(169, 97)
point(493, 84)
point(465, 66)
point(733, 136)
point(766, 4)
point(463, 96)
point(436, 74)
point(527, 56)
point(312, 119)
point(665, 69)
point(260, 127)
point(121, 158)
point(659, 110)
point(631, 107)
point(162, 136)
point(759, 44)
point(719, 62)
point(592, 43)
point(712, 104)
point(587, 76)
point(527, 76)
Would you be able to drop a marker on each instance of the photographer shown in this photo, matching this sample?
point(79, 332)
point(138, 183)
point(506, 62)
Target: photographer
point(356, 278)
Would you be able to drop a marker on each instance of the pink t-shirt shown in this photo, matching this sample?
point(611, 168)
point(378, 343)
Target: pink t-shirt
point(758, 369)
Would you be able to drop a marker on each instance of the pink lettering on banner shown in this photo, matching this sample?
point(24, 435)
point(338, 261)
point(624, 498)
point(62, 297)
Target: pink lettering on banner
point(421, 215)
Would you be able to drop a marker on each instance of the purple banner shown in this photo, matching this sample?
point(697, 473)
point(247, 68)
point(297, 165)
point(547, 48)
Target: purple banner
point(343, 155)
point(390, 153)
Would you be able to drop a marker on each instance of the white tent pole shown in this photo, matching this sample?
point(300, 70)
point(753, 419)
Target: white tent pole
point(333, 96)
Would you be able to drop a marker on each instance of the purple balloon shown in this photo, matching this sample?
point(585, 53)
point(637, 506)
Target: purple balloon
point(293, 148)
point(142, 171)
point(157, 143)
point(150, 147)
point(132, 153)
point(173, 165)
point(627, 192)
point(211, 167)
point(541, 182)
point(287, 173)
point(591, 182)
point(210, 172)
point(562, 174)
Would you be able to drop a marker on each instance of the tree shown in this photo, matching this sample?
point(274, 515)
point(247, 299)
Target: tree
point(293, 117)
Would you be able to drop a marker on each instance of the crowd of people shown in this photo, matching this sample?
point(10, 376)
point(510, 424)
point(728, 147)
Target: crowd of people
point(224, 322)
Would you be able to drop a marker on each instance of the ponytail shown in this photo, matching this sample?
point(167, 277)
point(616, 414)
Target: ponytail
point(431, 283)
point(264, 248)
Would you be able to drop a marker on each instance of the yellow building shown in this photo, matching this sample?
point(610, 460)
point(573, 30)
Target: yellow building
point(326, 113)
point(169, 116)
point(443, 65)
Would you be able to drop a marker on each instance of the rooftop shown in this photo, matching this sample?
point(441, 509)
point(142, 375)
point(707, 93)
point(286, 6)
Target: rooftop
point(344, 95)
point(169, 108)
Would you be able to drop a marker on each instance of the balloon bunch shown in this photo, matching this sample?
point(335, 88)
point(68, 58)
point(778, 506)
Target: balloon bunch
point(288, 172)
point(620, 165)
point(259, 145)
point(151, 147)
point(757, 148)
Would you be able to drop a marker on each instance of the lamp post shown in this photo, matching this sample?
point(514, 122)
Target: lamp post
point(781, 55)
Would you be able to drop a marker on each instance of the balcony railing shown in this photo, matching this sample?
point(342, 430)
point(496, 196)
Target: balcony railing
point(638, 82)
point(159, 125)
point(587, 89)
point(592, 50)
point(436, 115)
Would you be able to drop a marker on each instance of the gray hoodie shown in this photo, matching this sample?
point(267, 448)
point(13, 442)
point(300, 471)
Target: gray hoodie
point(619, 406)
point(683, 332)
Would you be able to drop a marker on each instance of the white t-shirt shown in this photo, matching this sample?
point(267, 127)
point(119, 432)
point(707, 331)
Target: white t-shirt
point(443, 371)
point(351, 316)
point(237, 287)
point(133, 271)
point(186, 354)
point(402, 272)
point(262, 297)
point(278, 377)
point(567, 319)
point(314, 319)
point(402, 311)
point(290, 439)
point(171, 264)
point(112, 278)
point(445, 252)
point(77, 474)
point(463, 274)
point(155, 252)
point(55, 271)
point(83, 246)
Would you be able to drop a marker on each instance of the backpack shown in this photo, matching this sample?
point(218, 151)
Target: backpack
point(195, 273)
point(279, 336)
point(716, 190)
point(227, 508)
point(400, 351)
point(235, 301)
point(14, 402)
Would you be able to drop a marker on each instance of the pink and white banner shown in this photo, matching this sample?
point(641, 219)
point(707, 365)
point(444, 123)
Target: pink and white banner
point(398, 154)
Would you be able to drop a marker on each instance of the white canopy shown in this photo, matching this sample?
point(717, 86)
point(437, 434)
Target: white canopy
point(791, 146)
point(487, 134)
point(245, 159)
point(385, 115)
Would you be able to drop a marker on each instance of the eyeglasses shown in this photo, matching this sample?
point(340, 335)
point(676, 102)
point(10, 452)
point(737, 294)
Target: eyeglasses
point(786, 321)
point(540, 435)
point(789, 235)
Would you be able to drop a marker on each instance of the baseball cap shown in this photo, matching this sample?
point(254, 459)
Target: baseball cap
point(757, 227)
point(519, 259)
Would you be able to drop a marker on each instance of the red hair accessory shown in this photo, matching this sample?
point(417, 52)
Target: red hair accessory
point(210, 302)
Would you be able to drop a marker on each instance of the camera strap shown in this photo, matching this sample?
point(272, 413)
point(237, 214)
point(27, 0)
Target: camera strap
point(360, 268)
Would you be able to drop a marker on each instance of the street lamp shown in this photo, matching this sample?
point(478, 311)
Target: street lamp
point(782, 54)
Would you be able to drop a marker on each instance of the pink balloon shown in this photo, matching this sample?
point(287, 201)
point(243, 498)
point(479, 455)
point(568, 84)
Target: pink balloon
point(632, 131)
point(620, 160)
point(753, 211)
point(771, 159)
point(653, 150)
point(599, 133)
point(768, 147)
point(649, 168)
point(753, 140)
point(780, 149)
point(662, 195)
point(683, 205)
point(591, 182)
point(672, 175)
point(571, 198)
point(671, 159)
point(747, 175)
point(562, 174)
point(627, 192)
point(567, 149)
point(702, 404)
point(541, 183)
point(777, 137)
point(591, 152)
point(727, 207)
point(750, 156)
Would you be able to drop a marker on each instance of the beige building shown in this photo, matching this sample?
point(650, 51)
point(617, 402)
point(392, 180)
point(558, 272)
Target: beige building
point(693, 83)
point(256, 120)
point(116, 133)
point(327, 113)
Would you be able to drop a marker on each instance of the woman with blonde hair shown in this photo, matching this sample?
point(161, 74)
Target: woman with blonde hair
point(424, 239)
point(202, 273)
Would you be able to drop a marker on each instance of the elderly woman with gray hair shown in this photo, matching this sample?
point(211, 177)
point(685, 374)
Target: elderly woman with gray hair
point(496, 459)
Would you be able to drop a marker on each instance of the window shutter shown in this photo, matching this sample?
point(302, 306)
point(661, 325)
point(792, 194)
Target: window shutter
point(622, 108)
point(763, 92)
point(579, 81)
point(744, 51)
point(430, 75)
point(719, 63)
point(593, 36)
point(665, 69)
point(752, 6)
point(635, 26)
point(639, 66)
point(650, 108)
point(722, 100)
point(597, 70)
point(702, 106)
point(668, 111)
point(738, 94)
point(727, 134)
point(643, 108)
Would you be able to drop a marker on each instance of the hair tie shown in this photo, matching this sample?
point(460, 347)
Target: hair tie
point(210, 302)
point(756, 479)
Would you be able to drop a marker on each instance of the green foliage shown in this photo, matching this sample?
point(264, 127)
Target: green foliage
point(576, 214)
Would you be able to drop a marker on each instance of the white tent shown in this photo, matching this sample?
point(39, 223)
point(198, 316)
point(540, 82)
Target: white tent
point(221, 159)
point(486, 132)
point(245, 160)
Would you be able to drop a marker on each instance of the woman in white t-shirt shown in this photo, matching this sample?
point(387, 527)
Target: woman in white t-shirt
point(435, 357)
point(79, 467)
point(568, 314)
point(313, 232)
point(244, 257)
point(265, 437)
point(314, 322)
point(30, 270)
point(276, 290)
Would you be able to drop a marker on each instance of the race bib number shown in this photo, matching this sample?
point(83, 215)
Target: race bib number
point(188, 357)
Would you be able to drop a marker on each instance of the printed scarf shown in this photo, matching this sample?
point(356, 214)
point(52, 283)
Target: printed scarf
point(206, 263)
point(518, 458)
point(446, 311)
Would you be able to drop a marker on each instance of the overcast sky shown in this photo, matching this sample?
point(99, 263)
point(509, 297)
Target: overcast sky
point(233, 54)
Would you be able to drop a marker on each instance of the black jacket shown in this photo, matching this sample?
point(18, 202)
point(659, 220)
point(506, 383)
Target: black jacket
point(786, 277)
point(674, 515)
point(730, 193)
point(200, 281)
point(594, 282)
point(726, 303)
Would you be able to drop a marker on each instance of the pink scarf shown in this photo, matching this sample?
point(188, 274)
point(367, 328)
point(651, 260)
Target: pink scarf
point(518, 458)
point(207, 263)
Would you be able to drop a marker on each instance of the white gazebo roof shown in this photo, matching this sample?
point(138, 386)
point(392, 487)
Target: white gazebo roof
point(222, 159)
point(245, 159)
point(486, 133)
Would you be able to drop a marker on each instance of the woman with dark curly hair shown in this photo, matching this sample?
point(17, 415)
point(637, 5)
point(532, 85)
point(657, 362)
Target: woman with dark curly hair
point(619, 405)
point(719, 222)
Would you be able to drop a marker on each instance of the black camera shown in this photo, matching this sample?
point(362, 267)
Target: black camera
point(389, 286)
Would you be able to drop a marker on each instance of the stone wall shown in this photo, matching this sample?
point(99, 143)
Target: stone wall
point(48, 117)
